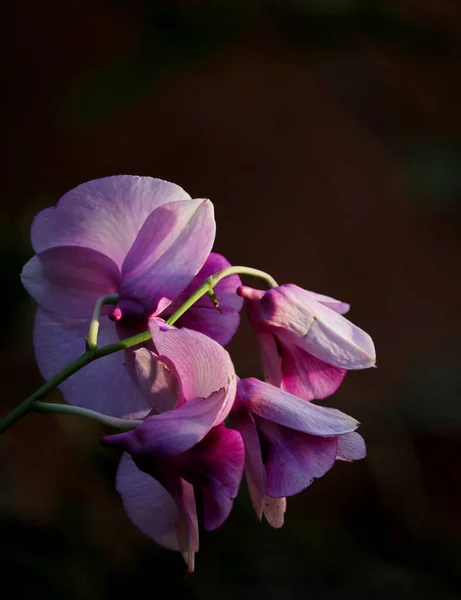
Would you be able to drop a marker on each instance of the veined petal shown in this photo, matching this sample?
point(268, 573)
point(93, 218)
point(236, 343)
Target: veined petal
point(203, 366)
point(172, 523)
point(351, 446)
point(69, 280)
point(292, 459)
point(273, 404)
point(104, 385)
point(220, 324)
point(307, 377)
point(104, 214)
point(168, 252)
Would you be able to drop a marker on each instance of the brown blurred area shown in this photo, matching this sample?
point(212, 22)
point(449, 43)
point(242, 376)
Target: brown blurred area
point(328, 135)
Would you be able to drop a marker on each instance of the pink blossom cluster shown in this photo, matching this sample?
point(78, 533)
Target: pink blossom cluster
point(148, 242)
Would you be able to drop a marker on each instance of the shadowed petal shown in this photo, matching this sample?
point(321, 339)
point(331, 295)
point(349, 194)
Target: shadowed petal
point(271, 358)
point(276, 405)
point(158, 381)
point(274, 511)
point(104, 214)
point(292, 459)
point(351, 446)
point(104, 385)
point(69, 280)
point(169, 250)
point(220, 324)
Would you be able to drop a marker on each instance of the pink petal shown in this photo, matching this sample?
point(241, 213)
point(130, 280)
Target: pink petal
point(351, 446)
point(172, 524)
point(203, 366)
point(104, 214)
point(215, 466)
point(271, 358)
point(274, 511)
point(273, 404)
point(69, 280)
point(169, 250)
point(292, 458)
point(308, 377)
point(105, 384)
point(220, 324)
point(157, 380)
point(336, 305)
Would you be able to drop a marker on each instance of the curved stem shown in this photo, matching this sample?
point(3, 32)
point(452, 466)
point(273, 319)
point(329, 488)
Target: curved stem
point(65, 409)
point(92, 341)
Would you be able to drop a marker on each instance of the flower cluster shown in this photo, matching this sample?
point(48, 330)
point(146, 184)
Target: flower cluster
point(146, 245)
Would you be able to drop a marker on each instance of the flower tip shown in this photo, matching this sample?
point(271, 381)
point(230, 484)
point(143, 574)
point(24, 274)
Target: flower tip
point(116, 315)
point(244, 291)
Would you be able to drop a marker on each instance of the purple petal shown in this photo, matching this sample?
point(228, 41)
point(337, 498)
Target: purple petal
point(172, 524)
point(157, 380)
point(274, 511)
point(69, 280)
point(271, 358)
point(203, 366)
point(308, 377)
point(169, 250)
point(273, 404)
point(351, 447)
point(336, 305)
point(220, 324)
point(292, 459)
point(105, 384)
point(104, 214)
point(214, 466)
point(254, 468)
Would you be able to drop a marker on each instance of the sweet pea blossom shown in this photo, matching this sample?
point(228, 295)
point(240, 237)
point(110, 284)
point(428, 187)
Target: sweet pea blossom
point(288, 443)
point(141, 238)
point(306, 344)
point(185, 448)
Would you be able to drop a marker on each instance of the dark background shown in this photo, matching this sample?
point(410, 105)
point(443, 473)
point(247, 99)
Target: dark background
point(328, 135)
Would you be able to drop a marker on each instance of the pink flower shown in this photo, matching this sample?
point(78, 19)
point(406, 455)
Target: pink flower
point(306, 343)
point(142, 238)
point(185, 448)
point(288, 443)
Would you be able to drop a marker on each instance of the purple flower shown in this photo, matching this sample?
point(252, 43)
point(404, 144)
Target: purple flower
point(288, 443)
point(306, 343)
point(142, 238)
point(185, 448)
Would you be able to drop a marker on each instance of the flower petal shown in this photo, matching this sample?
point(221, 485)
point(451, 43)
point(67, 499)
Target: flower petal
point(292, 459)
point(273, 404)
point(274, 511)
point(171, 523)
point(104, 385)
point(336, 305)
point(271, 358)
point(104, 214)
point(203, 366)
point(220, 324)
point(169, 250)
point(157, 380)
point(69, 280)
point(308, 377)
point(351, 446)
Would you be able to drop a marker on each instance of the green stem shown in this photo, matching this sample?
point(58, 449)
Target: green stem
point(65, 409)
point(92, 341)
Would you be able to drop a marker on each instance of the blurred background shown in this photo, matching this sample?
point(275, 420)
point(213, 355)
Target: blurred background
point(328, 135)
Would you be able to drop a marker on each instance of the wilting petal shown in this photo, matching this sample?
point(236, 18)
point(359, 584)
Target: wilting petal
point(157, 380)
point(103, 385)
point(274, 511)
point(172, 523)
point(351, 446)
point(273, 404)
point(104, 214)
point(203, 366)
point(214, 466)
point(169, 250)
point(292, 459)
point(308, 377)
point(69, 280)
point(220, 324)
point(171, 433)
point(254, 468)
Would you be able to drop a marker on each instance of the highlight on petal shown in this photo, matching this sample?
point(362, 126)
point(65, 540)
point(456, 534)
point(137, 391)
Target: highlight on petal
point(104, 215)
point(104, 385)
point(168, 252)
point(273, 404)
point(351, 446)
point(336, 305)
point(220, 324)
point(69, 280)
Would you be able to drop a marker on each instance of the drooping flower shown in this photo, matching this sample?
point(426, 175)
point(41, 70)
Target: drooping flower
point(306, 344)
point(288, 443)
point(142, 238)
point(186, 447)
